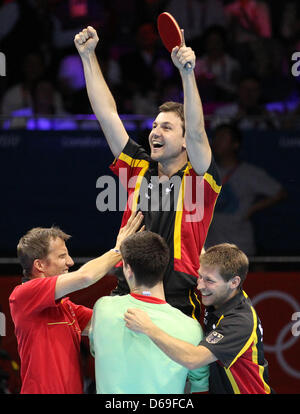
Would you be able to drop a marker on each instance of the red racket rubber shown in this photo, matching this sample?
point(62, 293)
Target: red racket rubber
point(170, 33)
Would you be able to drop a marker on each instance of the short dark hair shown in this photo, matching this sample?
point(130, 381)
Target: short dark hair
point(230, 260)
point(35, 245)
point(148, 255)
point(175, 107)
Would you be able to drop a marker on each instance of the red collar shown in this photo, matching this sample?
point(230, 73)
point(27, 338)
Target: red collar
point(149, 299)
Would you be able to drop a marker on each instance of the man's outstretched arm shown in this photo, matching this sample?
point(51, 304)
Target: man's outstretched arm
point(95, 269)
point(197, 144)
point(101, 99)
point(182, 352)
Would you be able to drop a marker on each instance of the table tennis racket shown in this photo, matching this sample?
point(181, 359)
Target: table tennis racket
point(170, 33)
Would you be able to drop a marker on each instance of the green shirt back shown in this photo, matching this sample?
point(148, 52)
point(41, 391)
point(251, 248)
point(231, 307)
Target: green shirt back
point(130, 363)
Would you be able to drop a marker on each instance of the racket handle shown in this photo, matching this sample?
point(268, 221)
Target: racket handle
point(188, 66)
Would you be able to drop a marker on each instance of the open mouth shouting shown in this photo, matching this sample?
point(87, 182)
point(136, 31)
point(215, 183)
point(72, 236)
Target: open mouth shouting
point(156, 145)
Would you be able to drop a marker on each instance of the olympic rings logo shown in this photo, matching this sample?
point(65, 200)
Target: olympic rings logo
point(279, 346)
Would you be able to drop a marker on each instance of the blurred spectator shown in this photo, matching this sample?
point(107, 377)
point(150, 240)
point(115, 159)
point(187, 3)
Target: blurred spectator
point(246, 189)
point(271, 61)
point(45, 99)
point(195, 16)
point(144, 69)
point(19, 95)
point(149, 10)
point(71, 16)
point(249, 23)
point(9, 15)
point(70, 79)
point(290, 22)
point(44, 104)
point(23, 23)
point(68, 18)
point(248, 112)
point(216, 69)
point(249, 20)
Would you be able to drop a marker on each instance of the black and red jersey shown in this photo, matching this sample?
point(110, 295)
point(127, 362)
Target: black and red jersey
point(234, 335)
point(179, 208)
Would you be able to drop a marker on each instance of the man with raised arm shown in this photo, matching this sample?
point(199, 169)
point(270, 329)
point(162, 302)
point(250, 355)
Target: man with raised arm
point(48, 326)
point(177, 185)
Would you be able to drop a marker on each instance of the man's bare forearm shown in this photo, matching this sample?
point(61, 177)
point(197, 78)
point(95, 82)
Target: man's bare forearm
point(104, 105)
point(184, 353)
point(101, 99)
point(87, 275)
point(193, 109)
point(197, 145)
point(99, 94)
point(99, 267)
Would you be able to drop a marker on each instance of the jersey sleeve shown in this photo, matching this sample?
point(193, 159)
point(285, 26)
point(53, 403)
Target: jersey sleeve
point(212, 176)
point(34, 295)
point(130, 167)
point(130, 161)
point(230, 339)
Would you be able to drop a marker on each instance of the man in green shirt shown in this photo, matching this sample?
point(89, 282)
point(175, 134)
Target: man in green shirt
point(127, 362)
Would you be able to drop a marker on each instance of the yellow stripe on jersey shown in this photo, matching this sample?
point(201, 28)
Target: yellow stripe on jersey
point(255, 357)
point(250, 340)
point(136, 163)
point(192, 303)
point(137, 187)
point(132, 161)
point(234, 385)
point(178, 216)
point(212, 182)
point(196, 305)
point(219, 320)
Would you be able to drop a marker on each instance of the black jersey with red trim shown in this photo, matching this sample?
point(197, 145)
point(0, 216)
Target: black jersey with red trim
point(234, 335)
point(179, 208)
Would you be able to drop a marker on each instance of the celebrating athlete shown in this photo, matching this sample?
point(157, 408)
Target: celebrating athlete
point(179, 150)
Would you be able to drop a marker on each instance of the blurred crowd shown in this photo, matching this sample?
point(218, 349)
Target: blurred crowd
point(244, 54)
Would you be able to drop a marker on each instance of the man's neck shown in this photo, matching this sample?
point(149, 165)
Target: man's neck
point(157, 291)
point(168, 169)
